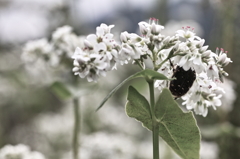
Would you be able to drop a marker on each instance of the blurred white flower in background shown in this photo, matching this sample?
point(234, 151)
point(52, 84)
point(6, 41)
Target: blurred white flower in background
point(19, 151)
point(108, 146)
point(61, 123)
point(65, 41)
point(230, 95)
point(118, 121)
point(209, 150)
point(35, 49)
point(37, 70)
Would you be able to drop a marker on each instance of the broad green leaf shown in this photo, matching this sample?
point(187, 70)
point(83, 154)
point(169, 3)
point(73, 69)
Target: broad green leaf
point(178, 129)
point(60, 90)
point(138, 107)
point(147, 74)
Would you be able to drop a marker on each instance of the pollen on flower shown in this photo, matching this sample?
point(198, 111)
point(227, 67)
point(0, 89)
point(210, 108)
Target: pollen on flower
point(188, 28)
point(153, 20)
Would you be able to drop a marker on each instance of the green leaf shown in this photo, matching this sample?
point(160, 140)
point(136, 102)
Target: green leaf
point(60, 90)
point(178, 129)
point(147, 74)
point(138, 107)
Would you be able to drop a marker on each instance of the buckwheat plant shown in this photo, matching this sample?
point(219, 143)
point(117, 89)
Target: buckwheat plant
point(182, 67)
point(54, 55)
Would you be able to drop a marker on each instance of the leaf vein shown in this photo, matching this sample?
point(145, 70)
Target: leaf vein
point(173, 139)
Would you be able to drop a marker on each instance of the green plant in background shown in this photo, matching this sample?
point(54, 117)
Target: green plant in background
point(180, 66)
point(56, 56)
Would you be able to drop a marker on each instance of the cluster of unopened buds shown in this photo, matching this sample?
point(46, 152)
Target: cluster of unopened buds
point(182, 56)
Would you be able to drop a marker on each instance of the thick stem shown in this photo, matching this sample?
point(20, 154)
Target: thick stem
point(155, 133)
point(155, 126)
point(76, 129)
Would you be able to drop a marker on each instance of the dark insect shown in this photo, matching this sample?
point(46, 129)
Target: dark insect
point(183, 82)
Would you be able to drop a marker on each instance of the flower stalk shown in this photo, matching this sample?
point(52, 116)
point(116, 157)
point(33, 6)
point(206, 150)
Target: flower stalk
point(76, 129)
point(155, 126)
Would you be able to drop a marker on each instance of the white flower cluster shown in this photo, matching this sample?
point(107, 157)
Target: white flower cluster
point(65, 41)
point(184, 49)
point(60, 47)
point(35, 49)
point(191, 54)
point(98, 55)
point(19, 152)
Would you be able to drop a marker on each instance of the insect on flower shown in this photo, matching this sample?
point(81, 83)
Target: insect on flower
point(183, 81)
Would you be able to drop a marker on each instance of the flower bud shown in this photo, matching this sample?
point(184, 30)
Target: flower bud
point(156, 28)
point(166, 40)
point(88, 44)
point(206, 53)
point(226, 62)
point(222, 58)
point(224, 73)
point(200, 43)
point(123, 36)
point(75, 69)
point(143, 28)
point(176, 47)
point(203, 49)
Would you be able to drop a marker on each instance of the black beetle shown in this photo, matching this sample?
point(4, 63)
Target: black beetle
point(183, 81)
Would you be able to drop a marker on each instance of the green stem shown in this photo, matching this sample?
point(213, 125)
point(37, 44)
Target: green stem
point(160, 65)
point(139, 64)
point(76, 129)
point(155, 140)
point(155, 126)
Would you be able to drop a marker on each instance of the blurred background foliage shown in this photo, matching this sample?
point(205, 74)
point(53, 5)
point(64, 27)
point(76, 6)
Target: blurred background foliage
point(35, 110)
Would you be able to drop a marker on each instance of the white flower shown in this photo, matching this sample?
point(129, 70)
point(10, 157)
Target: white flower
point(104, 29)
point(35, 49)
point(98, 54)
point(19, 151)
point(209, 150)
point(88, 65)
point(212, 70)
point(132, 47)
point(147, 29)
point(167, 71)
point(144, 28)
point(61, 32)
point(202, 95)
point(222, 59)
point(187, 33)
point(65, 41)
